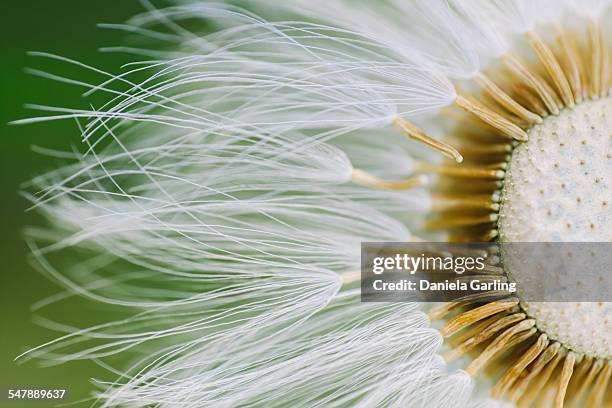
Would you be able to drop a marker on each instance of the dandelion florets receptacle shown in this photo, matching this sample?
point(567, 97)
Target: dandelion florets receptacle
point(222, 201)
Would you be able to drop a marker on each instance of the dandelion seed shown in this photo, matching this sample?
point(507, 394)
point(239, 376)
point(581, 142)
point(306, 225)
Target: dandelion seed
point(223, 200)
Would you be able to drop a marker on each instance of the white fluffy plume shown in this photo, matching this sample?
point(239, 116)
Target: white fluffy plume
point(214, 201)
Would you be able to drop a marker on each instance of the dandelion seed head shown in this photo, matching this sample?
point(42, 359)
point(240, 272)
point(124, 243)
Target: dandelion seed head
point(223, 198)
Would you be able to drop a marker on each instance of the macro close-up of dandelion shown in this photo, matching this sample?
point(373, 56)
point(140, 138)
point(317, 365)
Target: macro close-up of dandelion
point(227, 176)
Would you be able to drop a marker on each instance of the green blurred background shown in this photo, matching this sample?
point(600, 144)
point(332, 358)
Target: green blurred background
point(68, 28)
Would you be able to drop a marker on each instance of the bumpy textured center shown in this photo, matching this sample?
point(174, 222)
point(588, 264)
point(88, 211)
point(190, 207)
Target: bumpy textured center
point(558, 188)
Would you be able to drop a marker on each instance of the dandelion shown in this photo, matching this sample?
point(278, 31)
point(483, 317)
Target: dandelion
point(225, 187)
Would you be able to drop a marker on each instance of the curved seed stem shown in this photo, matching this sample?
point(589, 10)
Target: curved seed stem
point(530, 79)
point(553, 68)
point(417, 134)
point(492, 118)
point(506, 100)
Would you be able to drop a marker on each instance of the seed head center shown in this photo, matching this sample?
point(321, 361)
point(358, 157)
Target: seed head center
point(558, 189)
